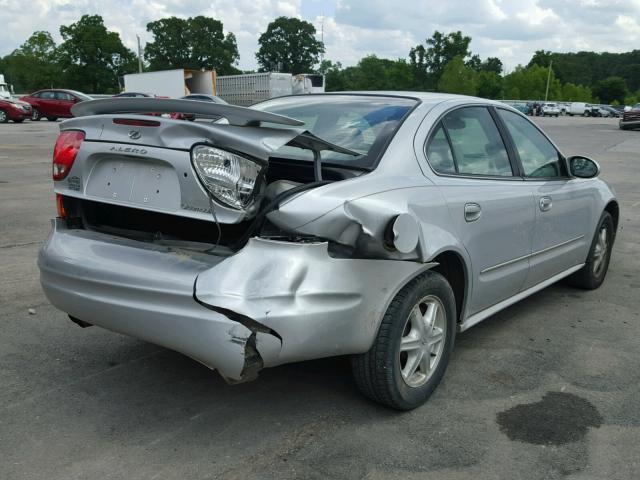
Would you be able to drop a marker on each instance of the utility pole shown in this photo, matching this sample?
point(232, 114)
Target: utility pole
point(546, 93)
point(322, 38)
point(139, 55)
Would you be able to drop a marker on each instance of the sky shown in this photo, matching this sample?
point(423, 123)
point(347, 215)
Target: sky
point(509, 29)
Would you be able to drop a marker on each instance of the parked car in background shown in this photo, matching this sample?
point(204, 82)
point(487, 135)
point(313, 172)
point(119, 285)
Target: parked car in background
point(577, 108)
point(54, 103)
point(14, 110)
point(630, 118)
point(200, 97)
point(564, 107)
point(610, 111)
point(309, 226)
point(135, 95)
point(550, 110)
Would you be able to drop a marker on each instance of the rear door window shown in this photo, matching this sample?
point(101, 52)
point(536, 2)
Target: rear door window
point(64, 96)
point(476, 147)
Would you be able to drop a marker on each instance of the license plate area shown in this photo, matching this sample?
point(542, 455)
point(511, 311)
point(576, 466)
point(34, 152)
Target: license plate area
point(146, 183)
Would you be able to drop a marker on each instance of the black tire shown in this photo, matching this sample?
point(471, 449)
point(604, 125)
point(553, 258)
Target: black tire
point(52, 119)
point(377, 373)
point(35, 115)
point(19, 120)
point(4, 118)
point(589, 277)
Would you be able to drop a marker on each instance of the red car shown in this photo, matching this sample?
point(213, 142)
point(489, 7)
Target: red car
point(14, 110)
point(54, 103)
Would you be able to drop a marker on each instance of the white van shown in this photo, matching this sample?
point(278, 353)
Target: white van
point(577, 108)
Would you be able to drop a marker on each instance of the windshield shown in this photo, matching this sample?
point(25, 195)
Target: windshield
point(362, 123)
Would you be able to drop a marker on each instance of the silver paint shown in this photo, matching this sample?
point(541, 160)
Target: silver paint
point(295, 301)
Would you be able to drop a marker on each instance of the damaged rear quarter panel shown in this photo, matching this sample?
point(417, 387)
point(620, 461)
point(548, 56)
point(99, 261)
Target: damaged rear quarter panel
point(317, 305)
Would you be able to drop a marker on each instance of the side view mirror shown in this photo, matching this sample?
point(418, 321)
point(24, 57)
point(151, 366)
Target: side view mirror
point(583, 167)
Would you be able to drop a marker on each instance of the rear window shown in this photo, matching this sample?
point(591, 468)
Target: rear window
point(362, 123)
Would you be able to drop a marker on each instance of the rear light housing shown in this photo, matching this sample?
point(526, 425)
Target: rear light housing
point(62, 212)
point(231, 179)
point(65, 152)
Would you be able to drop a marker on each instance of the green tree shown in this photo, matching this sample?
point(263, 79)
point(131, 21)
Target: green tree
point(492, 64)
point(458, 78)
point(441, 49)
point(531, 83)
point(92, 58)
point(611, 89)
point(33, 65)
point(576, 93)
point(371, 73)
point(195, 43)
point(289, 45)
point(489, 84)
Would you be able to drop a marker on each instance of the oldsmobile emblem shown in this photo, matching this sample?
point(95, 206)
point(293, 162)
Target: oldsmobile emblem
point(134, 135)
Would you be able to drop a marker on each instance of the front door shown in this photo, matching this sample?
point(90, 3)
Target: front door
point(561, 238)
point(491, 208)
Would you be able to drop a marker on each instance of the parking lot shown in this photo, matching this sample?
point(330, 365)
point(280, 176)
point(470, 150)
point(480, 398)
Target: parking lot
point(548, 388)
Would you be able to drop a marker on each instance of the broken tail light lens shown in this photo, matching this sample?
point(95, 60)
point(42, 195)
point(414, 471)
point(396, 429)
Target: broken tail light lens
point(228, 177)
point(65, 152)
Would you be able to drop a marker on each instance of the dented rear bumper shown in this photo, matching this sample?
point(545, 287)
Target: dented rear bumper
point(271, 303)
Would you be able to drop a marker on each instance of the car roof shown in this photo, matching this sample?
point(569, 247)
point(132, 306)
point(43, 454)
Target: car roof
point(432, 98)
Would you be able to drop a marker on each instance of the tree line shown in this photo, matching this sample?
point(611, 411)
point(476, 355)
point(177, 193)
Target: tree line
point(92, 59)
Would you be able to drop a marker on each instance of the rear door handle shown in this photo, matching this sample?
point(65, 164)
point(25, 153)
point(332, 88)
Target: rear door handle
point(472, 212)
point(545, 204)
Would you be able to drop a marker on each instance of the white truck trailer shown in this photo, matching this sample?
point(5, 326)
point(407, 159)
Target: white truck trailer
point(172, 83)
point(251, 88)
point(5, 89)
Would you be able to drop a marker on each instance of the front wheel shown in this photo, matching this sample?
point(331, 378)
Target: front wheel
point(595, 269)
point(35, 115)
point(4, 118)
point(412, 349)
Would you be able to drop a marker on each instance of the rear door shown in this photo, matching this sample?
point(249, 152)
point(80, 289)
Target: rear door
point(491, 207)
point(563, 205)
point(64, 103)
point(47, 103)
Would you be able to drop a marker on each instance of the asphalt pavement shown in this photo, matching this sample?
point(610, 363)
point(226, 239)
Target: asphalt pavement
point(549, 388)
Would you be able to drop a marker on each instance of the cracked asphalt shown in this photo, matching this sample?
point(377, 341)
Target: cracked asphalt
point(549, 388)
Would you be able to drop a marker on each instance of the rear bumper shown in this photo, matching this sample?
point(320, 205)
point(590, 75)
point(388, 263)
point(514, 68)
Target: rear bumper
point(271, 303)
point(146, 293)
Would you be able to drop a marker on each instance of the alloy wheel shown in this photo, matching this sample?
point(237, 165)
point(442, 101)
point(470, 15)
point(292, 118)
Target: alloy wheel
point(600, 251)
point(422, 341)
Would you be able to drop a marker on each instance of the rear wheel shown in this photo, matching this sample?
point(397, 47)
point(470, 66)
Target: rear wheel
point(411, 351)
point(35, 115)
point(3, 116)
point(595, 269)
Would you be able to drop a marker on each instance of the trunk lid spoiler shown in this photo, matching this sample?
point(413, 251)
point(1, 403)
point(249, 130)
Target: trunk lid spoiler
point(243, 132)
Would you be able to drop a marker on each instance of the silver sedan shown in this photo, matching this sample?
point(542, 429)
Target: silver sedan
point(374, 225)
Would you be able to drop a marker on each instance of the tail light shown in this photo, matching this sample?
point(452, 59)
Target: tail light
point(62, 212)
point(65, 152)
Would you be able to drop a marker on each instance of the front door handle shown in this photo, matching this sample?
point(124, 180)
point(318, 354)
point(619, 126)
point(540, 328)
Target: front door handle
point(545, 204)
point(472, 212)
